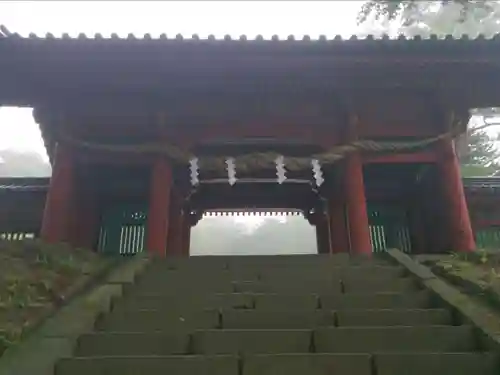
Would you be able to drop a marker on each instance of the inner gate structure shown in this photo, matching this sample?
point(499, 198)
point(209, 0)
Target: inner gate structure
point(145, 135)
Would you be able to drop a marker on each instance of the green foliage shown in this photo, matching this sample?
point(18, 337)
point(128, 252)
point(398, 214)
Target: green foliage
point(35, 277)
point(410, 12)
point(481, 150)
point(477, 170)
point(480, 156)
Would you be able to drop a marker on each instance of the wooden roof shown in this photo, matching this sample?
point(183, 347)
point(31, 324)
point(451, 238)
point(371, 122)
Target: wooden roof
point(35, 69)
point(91, 75)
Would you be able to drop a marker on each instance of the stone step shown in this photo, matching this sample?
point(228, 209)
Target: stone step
point(360, 364)
point(292, 287)
point(395, 339)
point(249, 269)
point(154, 320)
point(225, 282)
point(305, 261)
point(185, 302)
point(285, 302)
point(152, 365)
point(176, 287)
point(391, 300)
point(325, 340)
point(437, 363)
point(272, 301)
point(290, 364)
point(379, 285)
point(172, 282)
point(255, 267)
point(314, 315)
point(329, 284)
point(283, 319)
point(243, 286)
point(307, 364)
point(134, 344)
point(207, 342)
point(393, 317)
point(251, 341)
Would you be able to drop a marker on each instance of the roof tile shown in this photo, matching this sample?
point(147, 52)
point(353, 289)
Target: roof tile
point(229, 38)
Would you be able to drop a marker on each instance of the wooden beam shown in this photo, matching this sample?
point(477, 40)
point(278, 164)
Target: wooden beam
point(416, 157)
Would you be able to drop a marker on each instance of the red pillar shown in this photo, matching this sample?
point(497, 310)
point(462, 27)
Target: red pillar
point(175, 230)
point(357, 216)
point(460, 229)
point(338, 230)
point(158, 212)
point(57, 212)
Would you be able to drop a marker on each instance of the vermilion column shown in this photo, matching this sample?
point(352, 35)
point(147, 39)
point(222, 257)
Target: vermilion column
point(175, 230)
point(56, 216)
point(461, 233)
point(338, 231)
point(159, 204)
point(357, 216)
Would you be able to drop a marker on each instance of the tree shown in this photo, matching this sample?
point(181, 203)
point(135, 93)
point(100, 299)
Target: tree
point(477, 149)
point(481, 155)
point(409, 11)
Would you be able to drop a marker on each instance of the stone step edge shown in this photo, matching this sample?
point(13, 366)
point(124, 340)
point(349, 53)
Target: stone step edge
point(267, 330)
point(252, 294)
point(56, 337)
point(240, 361)
point(243, 355)
point(280, 311)
point(468, 309)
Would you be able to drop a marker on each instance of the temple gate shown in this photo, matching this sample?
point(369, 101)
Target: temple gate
point(146, 135)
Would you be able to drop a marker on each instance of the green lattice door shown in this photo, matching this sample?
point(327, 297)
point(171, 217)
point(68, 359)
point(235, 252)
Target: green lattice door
point(388, 228)
point(123, 230)
point(488, 238)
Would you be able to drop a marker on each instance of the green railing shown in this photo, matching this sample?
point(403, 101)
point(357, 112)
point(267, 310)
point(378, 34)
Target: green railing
point(16, 236)
point(488, 238)
point(388, 229)
point(123, 230)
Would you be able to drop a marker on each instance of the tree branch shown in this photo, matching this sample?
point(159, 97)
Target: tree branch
point(482, 127)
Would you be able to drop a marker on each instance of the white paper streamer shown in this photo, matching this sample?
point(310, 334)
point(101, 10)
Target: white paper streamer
point(317, 172)
point(280, 169)
point(231, 171)
point(194, 171)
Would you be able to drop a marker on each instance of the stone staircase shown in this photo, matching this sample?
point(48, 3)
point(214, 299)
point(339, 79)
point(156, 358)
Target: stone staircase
point(314, 315)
